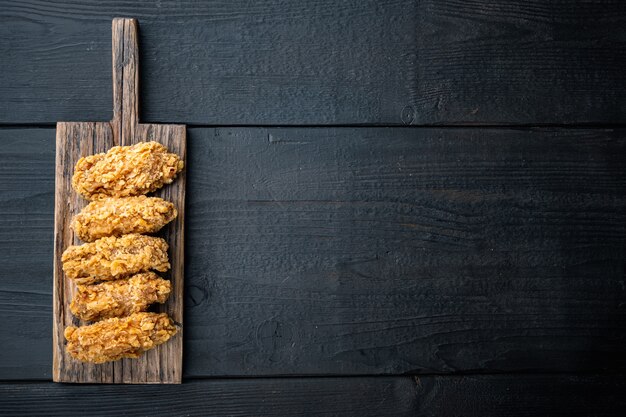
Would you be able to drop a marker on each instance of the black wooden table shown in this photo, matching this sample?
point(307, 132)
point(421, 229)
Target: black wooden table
point(394, 207)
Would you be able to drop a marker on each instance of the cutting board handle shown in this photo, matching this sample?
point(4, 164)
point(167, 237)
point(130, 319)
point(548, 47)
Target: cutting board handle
point(125, 80)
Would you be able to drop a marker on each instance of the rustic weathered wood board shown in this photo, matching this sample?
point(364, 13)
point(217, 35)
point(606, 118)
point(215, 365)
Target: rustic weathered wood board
point(77, 139)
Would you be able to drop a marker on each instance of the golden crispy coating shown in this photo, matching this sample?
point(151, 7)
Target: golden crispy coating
point(120, 216)
point(119, 298)
point(115, 257)
point(117, 338)
point(125, 171)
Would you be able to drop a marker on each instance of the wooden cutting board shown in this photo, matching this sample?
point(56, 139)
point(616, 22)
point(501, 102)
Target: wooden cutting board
point(77, 139)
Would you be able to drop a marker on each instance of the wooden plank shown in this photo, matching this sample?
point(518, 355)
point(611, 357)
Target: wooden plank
point(78, 139)
point(366, 250)
point(325, 62)
point(522, 395)
point(484, 396)
point(227, 62)
point(26, 236)
point(258, 397)
point(521, 61)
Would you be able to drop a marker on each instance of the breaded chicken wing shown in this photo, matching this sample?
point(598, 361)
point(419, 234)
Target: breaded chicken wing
point(119, 298)
point(125, 171)
point(113, 257)
point(120, 216)
point(117, 338)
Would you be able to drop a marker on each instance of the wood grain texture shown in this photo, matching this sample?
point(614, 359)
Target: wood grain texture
point(78, 139)
point(325, 62)
point(26, 246)
point(479, 396)
point(366, 251)
point(258, 397)
point(521, 61)
point(521, 395)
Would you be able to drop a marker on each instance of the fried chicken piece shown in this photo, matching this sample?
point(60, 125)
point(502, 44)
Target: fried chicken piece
point(117, 338)
point(113, 257)
point(126, 171)
point(120, 216)
point(119, 298)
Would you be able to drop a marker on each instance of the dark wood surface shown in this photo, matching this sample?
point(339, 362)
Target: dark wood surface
point(480, 396)
point(323, 62)
point(326, 242)
point(75, 140)
point(370, 251)
point(26, 247)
